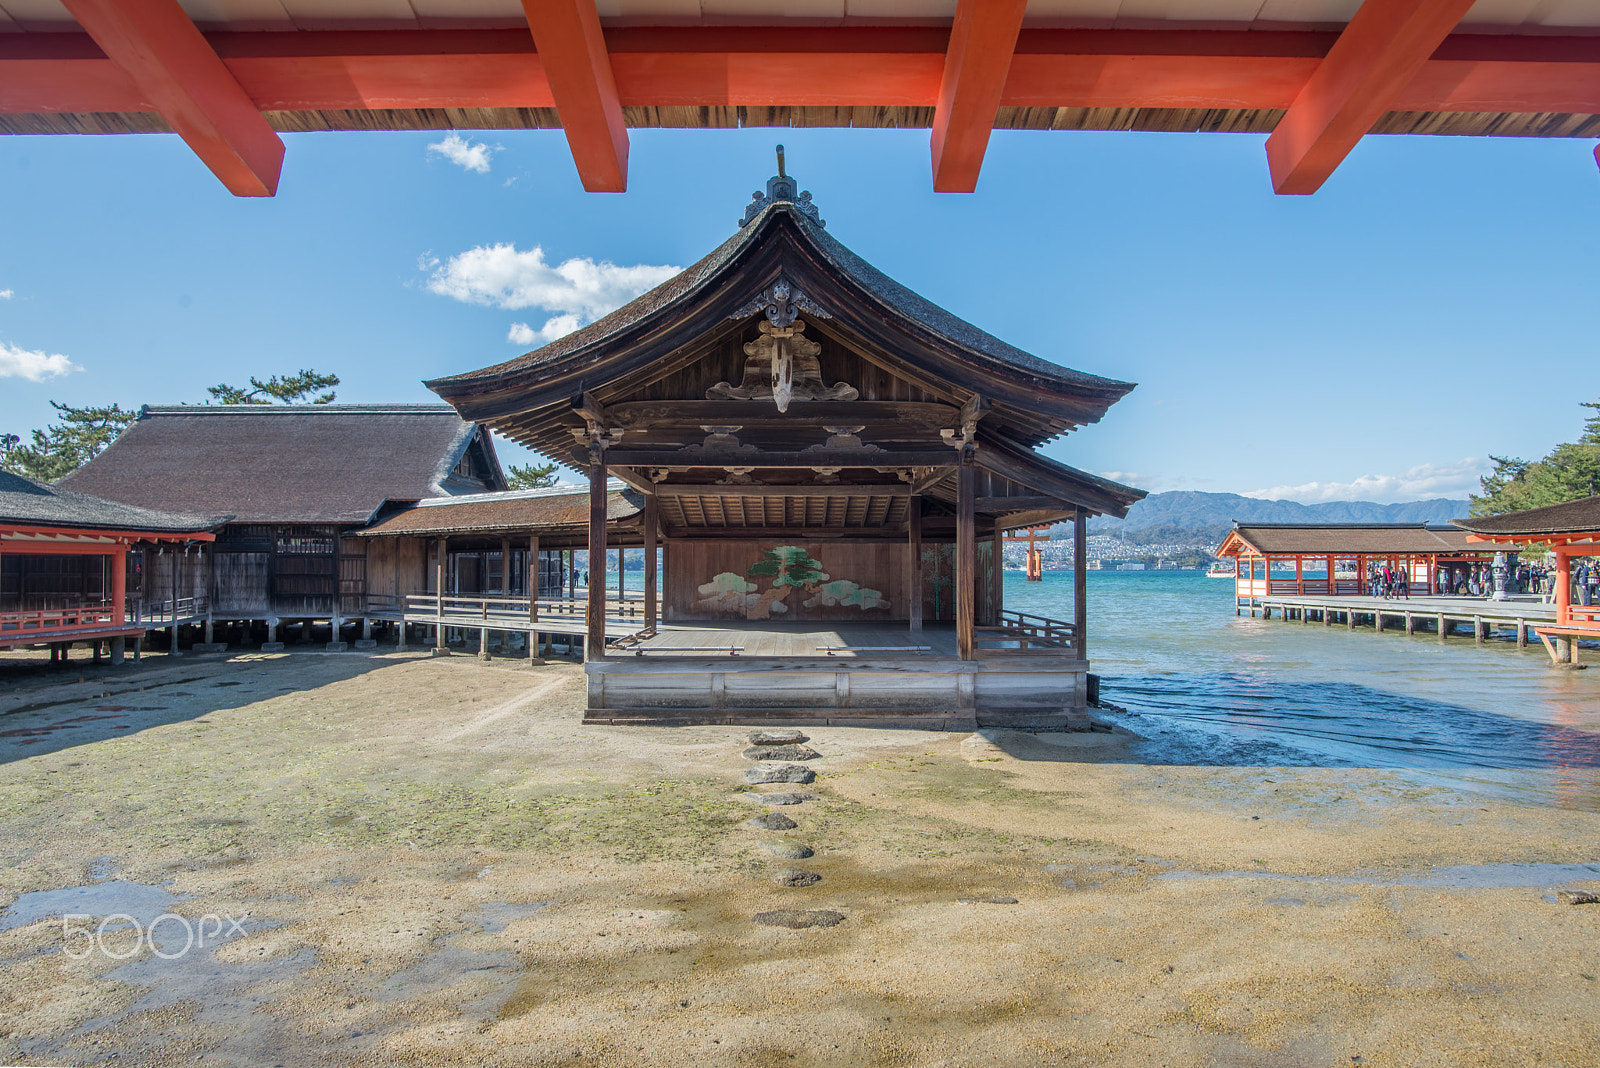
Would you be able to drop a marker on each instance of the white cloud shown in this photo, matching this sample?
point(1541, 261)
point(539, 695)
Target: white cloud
point(469, 156)
point(554, 327)
point(1423, 482)
point(7, 294)
point(35, 366)
point(577, 291)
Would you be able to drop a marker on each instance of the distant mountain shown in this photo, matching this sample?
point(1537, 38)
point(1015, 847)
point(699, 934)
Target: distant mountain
point(1211, 515)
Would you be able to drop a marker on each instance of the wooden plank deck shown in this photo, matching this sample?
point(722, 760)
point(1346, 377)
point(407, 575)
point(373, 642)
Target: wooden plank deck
point(1437, 614)
point(764, 639)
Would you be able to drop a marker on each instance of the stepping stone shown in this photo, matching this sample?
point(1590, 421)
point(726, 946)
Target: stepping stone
point(777, 737)
point(772, 821)
point(787, 850)
point(987, 900)
point(779, 752)
point(796, 877)
point(799, 919)
point(761, 773)
point(778, 799)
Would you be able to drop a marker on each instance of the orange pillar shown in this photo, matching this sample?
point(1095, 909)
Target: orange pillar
point(1563, 586)
point(119, 587)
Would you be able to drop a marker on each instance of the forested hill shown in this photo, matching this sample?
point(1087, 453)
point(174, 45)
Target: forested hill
point(1212, 514)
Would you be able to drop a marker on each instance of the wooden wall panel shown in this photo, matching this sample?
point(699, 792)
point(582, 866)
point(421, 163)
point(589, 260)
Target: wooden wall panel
point(707, 580)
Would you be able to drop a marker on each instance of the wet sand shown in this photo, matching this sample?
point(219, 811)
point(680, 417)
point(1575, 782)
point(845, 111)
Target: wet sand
point(441, 865)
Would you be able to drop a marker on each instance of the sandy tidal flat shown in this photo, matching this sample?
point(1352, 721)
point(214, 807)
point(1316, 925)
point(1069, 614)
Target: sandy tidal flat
point(433, 862)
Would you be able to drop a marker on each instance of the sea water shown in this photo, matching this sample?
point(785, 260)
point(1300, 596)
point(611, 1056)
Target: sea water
point(1209, 687)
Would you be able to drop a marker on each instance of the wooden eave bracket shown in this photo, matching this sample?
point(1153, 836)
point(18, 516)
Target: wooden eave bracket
point(1382, 49)
point(572, 51)
point(173, 66)
point(983, 38)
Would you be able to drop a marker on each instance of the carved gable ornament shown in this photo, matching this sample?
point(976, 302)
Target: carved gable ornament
point(782, 363)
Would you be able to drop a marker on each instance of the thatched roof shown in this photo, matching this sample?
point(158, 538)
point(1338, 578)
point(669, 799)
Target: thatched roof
point(26, 502)
point(538, 511)
point(1343, 539)
point(1573, 517)
point(288, 463)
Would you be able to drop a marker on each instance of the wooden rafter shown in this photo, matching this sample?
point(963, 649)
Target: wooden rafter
point(169, 62)
point(1384, 47)
point(572, 51)
point(977, 61)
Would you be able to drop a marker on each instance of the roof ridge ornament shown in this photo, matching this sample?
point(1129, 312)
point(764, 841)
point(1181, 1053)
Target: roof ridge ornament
point(781, 187)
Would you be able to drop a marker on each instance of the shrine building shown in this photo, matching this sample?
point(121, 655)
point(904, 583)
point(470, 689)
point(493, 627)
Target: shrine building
point(828, 463)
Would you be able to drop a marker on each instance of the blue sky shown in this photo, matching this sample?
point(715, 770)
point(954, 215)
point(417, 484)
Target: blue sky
point(1433, 304)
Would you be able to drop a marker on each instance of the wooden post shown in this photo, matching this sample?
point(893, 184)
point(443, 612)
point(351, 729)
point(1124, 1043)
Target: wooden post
point(1443, 627)
point(1563, 588)
point(966, 560)
point(914, 563)
point(1080, 584)
point(572, 574)
point(1522, 634)
point(119, 588)
point(438, 596)
point(996, 575)
point(596, 618)
point(533, 578)
point(173, 651)
point(651, 520)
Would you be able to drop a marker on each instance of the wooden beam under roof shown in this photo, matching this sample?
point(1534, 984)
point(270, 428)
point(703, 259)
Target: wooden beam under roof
point(977, 61)
point(1382, 49)
point(167, 58)
point(841, 489)
point(761, 415)
point(884, 460)
point(572, 51)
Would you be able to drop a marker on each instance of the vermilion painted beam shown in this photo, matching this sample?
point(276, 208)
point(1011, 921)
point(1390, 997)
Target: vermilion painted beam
point(572, 51)
point(976, 63)
point(828, 67)
point(173, 67)
point(1386, 45)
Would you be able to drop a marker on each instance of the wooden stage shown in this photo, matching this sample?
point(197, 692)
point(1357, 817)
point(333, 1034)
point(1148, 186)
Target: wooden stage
point(1440, 615)
point(839, 674)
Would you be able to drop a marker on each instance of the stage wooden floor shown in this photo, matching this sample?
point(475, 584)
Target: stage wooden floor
point(797, 640)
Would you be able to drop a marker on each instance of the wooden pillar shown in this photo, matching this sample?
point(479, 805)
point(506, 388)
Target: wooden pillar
point(914, 563)
point(996, 575)
point(1080, 584)
point(966, 560)
point(651, 520)
point(173, 651)
point(533, 578)
point(1563, 588)
point(438, 595)
point(1522, 634)
point(572, 574)
point(119, 588)
point(596, 617)
point(1299, 574)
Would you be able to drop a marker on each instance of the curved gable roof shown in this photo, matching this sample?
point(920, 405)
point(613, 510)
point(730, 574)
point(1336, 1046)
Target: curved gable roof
point(644, 329)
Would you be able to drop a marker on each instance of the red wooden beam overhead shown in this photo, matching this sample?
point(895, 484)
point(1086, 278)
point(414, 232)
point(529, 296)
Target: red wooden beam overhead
point(572, 53)
point(172, 67)
point(758, 66)
point(338, 70)
point(976, 62)
point(1385, 46)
